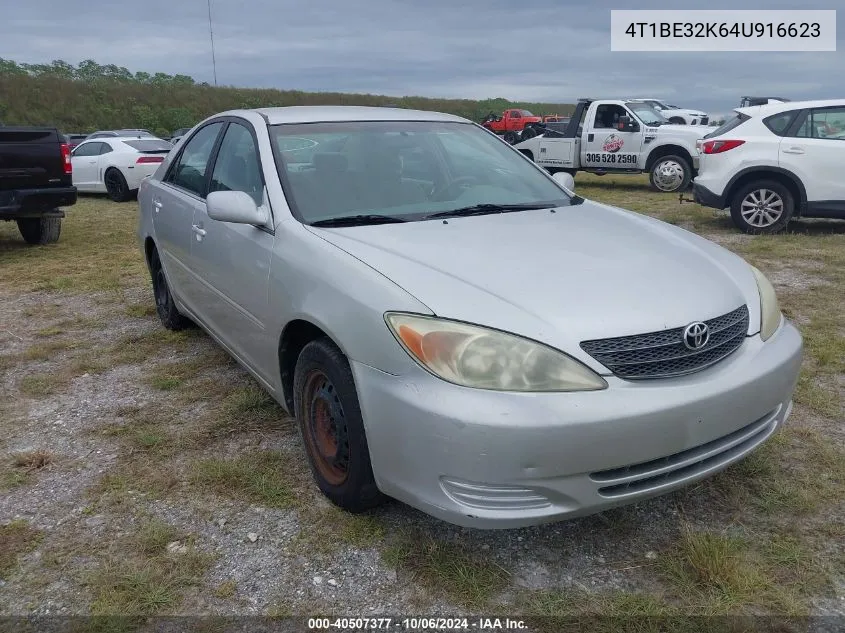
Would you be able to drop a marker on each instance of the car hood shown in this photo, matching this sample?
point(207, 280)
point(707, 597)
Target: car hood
point(585, 271)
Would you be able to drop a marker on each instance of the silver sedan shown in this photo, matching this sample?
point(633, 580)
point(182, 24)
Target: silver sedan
point(455, 328)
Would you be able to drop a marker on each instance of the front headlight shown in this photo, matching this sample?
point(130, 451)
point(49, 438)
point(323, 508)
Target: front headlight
point(474, 356)
point(769, 308)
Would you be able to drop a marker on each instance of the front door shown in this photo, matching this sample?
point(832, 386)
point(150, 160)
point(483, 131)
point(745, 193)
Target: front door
point(233, 260)
point(85, 159)
point(607, 147)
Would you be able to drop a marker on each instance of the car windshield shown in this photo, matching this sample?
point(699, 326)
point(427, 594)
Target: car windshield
point(647, 114)
point(406, 170)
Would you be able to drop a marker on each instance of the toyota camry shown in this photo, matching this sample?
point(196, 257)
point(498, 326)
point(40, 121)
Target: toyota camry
point(455, 328)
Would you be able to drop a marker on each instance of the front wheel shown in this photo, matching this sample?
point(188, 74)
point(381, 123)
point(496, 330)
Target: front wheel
point(670, 174)
point(760, 207)
point(332, 427)
point(510, 138)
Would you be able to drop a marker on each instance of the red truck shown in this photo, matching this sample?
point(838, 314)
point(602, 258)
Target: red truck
point(511, 123)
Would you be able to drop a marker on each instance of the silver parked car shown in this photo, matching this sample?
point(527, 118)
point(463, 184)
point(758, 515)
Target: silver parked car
point(455, 328)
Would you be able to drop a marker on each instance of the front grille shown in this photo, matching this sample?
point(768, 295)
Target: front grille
point(680, 467)
point(705, 120)
point(663, 354)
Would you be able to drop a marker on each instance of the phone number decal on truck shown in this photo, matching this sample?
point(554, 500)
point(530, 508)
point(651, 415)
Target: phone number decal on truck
point(607, 157)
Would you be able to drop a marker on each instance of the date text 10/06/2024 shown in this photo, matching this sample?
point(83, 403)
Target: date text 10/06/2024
point(480, 624)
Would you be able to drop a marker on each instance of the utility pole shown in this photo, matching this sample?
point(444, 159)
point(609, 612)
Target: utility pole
point(211, 36)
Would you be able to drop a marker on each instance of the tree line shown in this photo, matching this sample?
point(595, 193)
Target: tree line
point(89, 96)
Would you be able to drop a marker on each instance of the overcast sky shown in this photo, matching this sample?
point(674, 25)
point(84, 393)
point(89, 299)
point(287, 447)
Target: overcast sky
point(532, 50)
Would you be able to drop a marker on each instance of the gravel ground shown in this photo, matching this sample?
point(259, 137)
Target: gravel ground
point(264, 559)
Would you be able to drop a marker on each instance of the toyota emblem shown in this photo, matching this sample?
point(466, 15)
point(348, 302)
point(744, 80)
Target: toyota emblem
point(696, 335)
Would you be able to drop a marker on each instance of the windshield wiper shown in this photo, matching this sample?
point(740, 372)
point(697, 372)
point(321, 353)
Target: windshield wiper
point(486, 209)
point(359, 220)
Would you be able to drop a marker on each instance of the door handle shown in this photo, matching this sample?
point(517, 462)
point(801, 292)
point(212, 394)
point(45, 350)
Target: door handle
point(157, 205)
point(794, 150)
point(198, 230)
point(590, 138)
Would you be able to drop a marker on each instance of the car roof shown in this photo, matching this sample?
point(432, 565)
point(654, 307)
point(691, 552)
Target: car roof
point(775, 108)
point(319, 114)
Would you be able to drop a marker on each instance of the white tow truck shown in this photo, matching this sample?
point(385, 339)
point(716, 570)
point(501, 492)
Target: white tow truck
point(620, 137)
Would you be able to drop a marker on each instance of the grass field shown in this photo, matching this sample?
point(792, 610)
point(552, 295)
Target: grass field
point(143, 472)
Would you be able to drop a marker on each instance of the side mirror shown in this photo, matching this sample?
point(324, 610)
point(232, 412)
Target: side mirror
point(234, 206)
point(625, 124)
point(566, 180)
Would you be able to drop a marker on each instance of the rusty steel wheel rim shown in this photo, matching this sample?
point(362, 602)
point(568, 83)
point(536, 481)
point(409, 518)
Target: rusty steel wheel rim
point(326, 432)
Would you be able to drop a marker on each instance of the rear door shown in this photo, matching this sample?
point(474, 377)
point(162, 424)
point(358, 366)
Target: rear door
point(233, 260)
point(816, 153)
point(174, 200)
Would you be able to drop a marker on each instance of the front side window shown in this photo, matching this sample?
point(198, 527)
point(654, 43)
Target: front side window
point(827, 123)
point(237, 167)
point(515, 114)
point(87, 149)
point(189, 170)
point(407, 170)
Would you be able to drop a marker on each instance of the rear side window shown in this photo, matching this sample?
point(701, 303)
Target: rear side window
point(729, 125)
point(189, 170)
point(826, 123)
point(779, 123)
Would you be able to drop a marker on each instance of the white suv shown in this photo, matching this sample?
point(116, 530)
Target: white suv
point(773, 162)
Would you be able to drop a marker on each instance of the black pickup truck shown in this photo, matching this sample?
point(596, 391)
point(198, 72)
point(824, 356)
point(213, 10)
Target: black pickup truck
point(35, 181)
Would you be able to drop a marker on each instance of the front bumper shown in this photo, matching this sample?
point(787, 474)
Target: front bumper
point(502, 460)
point(703, 196)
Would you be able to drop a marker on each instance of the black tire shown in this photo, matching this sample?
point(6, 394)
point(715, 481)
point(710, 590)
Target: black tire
point(677, 120)
point(332, 428)
point(670, 174)
point(116, 186)
point(754, 204)
point(41, 230)
point(166, 309)
point(510, 137)
point(527, 133)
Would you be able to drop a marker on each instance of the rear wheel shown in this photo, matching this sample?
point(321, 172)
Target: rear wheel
point(765, 206)
point(332, 428)
point(40, 231)
point(168, 313)
point(116, 186)
point(670, 174)
point(510, 138)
